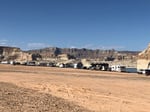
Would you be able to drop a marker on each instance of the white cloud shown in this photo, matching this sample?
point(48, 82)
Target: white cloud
point(72, 47)
point(3, 42)
point(37, 45)
point(113, 47)
point(89, 46)
point(92, 46)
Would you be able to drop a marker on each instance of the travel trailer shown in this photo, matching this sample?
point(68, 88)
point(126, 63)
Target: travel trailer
point(118, 68)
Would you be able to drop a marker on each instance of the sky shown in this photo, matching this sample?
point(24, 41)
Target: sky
point(92, 24)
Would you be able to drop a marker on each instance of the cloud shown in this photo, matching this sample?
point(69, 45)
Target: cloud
point(23, 45)
point(113, 47)
point(3, 42)
point(92, 46)
point(72, 47)
point(37, 45)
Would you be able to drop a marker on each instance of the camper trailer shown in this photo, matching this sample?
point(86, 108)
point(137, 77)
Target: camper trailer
point(118, 68)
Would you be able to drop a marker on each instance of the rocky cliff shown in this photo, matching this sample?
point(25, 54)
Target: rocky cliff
point(145, 54)
point(143, 61)
point(112, 54)
point(13, 54)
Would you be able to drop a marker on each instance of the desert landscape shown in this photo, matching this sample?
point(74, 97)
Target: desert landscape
point(51, 89)
point(74, 56)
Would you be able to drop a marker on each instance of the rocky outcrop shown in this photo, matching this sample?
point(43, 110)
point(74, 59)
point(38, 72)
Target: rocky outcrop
point(108, 55)
point(78, 53)
point(145, 54)
point(54, 53)
point(13, 54)
point(144, 59)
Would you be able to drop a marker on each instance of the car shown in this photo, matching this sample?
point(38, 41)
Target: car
point(147, 72)
point(144, 71)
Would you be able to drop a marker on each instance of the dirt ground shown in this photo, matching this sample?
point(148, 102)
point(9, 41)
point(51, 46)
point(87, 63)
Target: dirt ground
point(17, 99)
point(78, 90)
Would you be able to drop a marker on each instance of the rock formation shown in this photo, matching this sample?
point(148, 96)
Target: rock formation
point(144, 59)
point(112, 54)
point(55, 54)
point(13, 54)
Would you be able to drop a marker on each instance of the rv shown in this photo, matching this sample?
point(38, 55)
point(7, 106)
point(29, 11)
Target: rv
point(4, 62)
point(118, 68)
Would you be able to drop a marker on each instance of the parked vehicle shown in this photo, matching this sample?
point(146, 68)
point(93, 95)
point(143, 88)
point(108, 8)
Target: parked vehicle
point(5, 62)
point(78, 65)
point(118, 68)
point(144, 71)
point(131, 70)
point(147, 72)
point(31, 63)
point(99, 66)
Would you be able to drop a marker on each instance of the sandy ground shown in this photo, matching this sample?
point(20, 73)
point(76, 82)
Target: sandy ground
point(17, 99)
point(93, 90)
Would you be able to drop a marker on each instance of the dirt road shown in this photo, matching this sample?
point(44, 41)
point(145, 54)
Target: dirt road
point(93, 90)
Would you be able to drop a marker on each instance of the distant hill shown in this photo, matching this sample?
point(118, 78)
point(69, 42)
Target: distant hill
point(111, 54)
point(13, 53)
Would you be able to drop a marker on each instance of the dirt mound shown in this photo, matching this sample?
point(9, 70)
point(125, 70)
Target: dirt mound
point(17, 99)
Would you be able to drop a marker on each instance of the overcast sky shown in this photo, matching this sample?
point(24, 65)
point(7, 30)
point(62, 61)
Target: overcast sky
point(95, 24)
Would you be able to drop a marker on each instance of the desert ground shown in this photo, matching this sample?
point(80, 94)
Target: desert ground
point(46, 89)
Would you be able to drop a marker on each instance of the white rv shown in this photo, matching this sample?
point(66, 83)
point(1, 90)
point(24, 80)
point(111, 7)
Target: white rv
point(118, 68)
point(4, 62)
